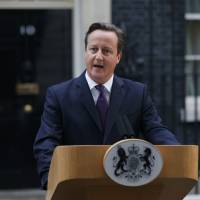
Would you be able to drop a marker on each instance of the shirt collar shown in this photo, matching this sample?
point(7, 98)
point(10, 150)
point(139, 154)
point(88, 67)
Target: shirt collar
point(92, 84)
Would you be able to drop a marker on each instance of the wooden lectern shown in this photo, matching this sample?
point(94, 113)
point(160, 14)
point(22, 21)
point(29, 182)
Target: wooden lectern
point(77, 173)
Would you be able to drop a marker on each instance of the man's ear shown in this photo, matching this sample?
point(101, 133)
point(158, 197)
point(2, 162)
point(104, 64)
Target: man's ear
point(119, 56)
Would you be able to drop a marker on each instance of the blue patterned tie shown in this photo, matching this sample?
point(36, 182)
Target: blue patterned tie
point(102, 104)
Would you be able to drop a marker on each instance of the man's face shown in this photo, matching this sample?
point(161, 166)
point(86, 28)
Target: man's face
point(101, 55)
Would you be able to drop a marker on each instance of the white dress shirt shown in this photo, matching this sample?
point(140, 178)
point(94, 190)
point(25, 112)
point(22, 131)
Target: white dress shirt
point(95, 92)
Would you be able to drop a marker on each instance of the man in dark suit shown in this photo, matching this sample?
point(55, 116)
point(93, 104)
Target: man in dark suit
point(98, 107)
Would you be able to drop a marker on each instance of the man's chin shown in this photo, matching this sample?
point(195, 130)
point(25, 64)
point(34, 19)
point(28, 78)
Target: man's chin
point(98, 78)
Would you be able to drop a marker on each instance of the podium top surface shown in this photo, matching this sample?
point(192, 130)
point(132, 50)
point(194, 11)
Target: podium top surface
point(87, 161)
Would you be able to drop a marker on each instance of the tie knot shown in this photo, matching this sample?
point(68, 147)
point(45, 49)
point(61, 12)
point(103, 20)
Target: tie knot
point(100, 88)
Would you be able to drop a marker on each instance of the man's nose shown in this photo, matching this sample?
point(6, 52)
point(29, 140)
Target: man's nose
point(99, 55)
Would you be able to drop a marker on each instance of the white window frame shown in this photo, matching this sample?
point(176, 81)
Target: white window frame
point(191, 112)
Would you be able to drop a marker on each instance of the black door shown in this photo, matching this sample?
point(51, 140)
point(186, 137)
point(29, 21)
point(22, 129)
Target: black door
point(35, 52)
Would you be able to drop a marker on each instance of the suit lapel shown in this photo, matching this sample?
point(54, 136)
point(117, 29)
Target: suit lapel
point(87, 99)
point(116, 98)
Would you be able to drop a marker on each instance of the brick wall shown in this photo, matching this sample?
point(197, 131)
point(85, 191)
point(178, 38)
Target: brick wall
point(154, 52)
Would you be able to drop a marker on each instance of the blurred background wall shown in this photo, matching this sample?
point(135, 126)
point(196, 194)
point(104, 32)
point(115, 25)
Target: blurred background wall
point(41, 43)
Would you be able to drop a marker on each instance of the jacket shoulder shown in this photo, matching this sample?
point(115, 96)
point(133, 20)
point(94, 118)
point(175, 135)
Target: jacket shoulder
point(133, 84)
point(63, 86)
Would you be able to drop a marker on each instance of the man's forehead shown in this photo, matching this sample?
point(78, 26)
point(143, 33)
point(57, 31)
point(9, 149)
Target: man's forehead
point(102, 37)
point(102, 33)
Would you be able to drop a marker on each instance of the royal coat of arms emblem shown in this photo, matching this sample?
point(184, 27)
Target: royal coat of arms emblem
point(133, 162)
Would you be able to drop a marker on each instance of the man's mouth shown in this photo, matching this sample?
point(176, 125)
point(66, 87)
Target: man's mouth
point(99, 66)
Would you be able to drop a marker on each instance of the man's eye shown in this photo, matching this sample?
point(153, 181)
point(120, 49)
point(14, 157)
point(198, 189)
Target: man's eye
point(93, 50)
point(106, 51)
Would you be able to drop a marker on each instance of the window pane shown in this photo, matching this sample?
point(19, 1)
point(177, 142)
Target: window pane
point(193, 37)
point(192, 75)
point(192, 6)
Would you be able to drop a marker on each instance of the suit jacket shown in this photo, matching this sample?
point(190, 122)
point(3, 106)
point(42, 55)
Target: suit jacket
point(71, 118)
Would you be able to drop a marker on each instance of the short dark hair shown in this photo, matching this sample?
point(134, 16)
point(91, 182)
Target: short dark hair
point(107, 27)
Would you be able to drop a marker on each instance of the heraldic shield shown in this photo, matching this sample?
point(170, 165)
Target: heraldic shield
point(133, 162)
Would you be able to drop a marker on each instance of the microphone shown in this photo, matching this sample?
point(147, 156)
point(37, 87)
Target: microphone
point(121, 127)
point(129, 128)
point(125, 128)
